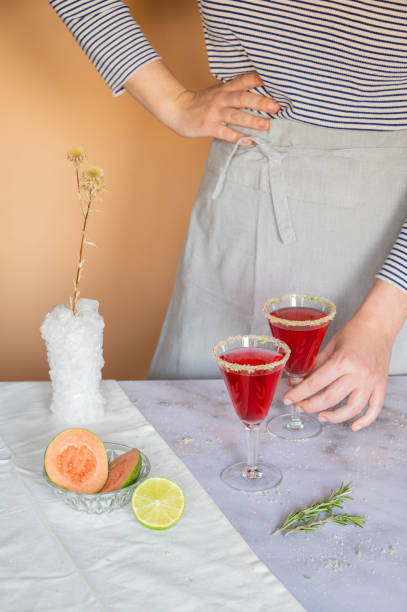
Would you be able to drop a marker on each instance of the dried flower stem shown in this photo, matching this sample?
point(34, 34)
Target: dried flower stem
point(79, 190)
point(80, 261)
point(77, 180)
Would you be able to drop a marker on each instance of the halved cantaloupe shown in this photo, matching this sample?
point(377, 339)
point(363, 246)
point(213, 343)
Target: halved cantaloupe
point(123, 471)
point(76, 460)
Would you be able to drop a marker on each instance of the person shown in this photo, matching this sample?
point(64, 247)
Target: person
point(305, 183)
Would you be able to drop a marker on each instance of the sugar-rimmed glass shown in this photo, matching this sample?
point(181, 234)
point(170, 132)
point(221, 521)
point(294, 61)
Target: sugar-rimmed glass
point(251, 367)
point(301, 321)
point(98, 503)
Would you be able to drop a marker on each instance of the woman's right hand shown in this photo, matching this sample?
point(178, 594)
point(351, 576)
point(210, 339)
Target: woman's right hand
point(208, 112)
point(201, 113)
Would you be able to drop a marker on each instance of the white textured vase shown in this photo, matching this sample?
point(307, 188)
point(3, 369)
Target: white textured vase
point(75, 356)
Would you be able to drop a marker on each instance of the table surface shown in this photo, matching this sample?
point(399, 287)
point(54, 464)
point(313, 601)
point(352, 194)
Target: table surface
point(335, 568)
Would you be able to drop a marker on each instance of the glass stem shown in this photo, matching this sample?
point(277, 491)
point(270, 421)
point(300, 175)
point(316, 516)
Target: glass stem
point(252, 435)
point(295, 421)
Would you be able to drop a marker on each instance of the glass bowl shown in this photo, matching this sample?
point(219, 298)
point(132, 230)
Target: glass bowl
point(97, 503)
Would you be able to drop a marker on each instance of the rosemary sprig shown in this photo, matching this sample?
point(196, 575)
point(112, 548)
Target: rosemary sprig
point(321, 512)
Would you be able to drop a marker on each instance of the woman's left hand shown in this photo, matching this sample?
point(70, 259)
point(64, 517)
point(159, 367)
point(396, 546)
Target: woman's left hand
point(355, 363)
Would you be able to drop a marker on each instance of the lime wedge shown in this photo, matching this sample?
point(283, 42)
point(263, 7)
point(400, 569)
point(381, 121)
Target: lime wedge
point(158, 503)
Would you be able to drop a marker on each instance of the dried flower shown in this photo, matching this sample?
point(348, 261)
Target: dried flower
point(92, 179)
point(76, 155)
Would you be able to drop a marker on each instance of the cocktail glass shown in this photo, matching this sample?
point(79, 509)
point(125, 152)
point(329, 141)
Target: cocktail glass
point(251, 367)
point(301, 321)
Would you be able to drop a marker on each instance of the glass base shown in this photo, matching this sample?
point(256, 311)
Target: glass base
point(264, 477)
point(308, 427)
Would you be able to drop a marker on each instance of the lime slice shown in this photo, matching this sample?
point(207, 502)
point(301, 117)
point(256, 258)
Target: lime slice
point(158, 503)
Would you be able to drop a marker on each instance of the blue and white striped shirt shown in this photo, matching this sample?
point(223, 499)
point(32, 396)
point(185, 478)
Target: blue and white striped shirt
point(328, 63)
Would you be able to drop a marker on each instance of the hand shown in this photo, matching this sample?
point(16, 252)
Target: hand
point(201, 113)
point(207, 112)
point(355, 363)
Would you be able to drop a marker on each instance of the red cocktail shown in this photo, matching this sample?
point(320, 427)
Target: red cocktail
point(251, 367)
point(301, 321)
point(252, 394)
point(304, 341)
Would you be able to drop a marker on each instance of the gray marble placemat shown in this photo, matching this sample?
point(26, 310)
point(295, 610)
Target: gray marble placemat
point(339, 569)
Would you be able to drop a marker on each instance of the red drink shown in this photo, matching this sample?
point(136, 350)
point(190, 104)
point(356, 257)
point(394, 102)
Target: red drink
point(304, 341)
point(252, 392)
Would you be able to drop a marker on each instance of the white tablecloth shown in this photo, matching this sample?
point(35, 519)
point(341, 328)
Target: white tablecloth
point(54, 558)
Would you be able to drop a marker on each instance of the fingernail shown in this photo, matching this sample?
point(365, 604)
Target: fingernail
point(246, 143)
point(287, 402)
point(322, 419)
point(299, 409)
point(263, 123)
point(356, 427)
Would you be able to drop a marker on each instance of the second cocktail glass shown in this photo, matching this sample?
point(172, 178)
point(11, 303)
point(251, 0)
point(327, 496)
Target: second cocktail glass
point(301, 321)
point(251, 367)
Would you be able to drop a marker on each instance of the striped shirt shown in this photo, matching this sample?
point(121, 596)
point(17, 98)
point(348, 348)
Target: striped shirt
point(328, 63)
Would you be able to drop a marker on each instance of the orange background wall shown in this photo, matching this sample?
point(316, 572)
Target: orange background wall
point(52, 99)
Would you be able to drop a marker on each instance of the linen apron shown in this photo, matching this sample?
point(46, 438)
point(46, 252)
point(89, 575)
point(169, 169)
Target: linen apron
point(305, 209)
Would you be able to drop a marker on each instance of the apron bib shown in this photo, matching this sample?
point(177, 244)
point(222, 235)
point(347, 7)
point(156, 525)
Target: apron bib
point(305, 209)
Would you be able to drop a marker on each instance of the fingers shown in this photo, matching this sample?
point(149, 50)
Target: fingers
point(329, 397)
point(315, 382)
point(355, 403)
point(246, 81)
point(239, 96)
point(245, 99)
point(207, 112)
point(374, 408)
point(226, 133)
point(238, 117)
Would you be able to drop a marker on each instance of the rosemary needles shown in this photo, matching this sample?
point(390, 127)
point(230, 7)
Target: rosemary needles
point(319, 513)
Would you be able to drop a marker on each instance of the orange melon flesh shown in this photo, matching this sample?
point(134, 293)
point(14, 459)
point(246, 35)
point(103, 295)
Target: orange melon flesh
point(76, 460)
point(123, 471)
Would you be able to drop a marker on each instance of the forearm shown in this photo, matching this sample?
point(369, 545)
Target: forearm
point(159, 91)
point(394, 269)
point(384, 309)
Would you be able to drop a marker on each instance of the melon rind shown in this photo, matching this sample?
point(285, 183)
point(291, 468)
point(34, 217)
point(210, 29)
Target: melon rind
point(77, 437)
point(123, 471)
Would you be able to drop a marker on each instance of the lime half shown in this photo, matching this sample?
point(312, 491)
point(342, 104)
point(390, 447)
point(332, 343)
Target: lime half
point(158, 503)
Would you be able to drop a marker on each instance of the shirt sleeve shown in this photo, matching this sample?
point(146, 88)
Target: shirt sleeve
point(109, 36)
point(394, 269)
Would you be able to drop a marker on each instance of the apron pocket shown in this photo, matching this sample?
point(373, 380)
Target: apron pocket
point(341, 178)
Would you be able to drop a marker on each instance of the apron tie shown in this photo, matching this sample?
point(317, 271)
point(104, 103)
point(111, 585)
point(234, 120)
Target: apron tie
point(277, 189)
